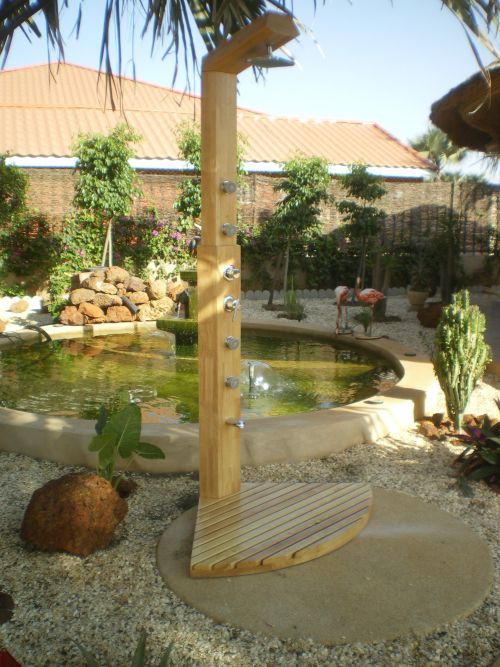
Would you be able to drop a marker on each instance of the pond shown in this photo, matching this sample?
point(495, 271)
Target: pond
point(279, 376)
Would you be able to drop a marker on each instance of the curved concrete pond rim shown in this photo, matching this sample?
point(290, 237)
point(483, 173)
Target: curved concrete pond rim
point(264, 440)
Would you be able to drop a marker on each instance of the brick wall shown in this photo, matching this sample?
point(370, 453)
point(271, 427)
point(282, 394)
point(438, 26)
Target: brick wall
point(413, 208)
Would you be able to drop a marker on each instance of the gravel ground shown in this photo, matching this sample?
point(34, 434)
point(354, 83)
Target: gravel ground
point(103, 601)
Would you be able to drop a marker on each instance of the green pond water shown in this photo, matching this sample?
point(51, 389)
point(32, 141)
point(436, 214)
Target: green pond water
point(278, 376)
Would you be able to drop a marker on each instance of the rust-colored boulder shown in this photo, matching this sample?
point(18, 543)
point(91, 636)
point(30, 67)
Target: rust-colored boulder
point(106, 300)
point(3, 324)
point(429, 430)
point(71, 316)
point(157, 289)
point(99, 273)
point(138, 297)
point(91, 311)
point(77, 513)
point(99, 285)
point(134, 284)
point(119, 314)
point(19, 306)
point(81, 295)
point(78, 278)
point(115, 274)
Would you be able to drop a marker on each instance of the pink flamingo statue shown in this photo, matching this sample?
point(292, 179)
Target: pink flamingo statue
point(341, 296)
point(369, 296)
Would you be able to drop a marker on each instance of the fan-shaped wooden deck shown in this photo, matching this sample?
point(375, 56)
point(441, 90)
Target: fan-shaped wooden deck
point(269, 526)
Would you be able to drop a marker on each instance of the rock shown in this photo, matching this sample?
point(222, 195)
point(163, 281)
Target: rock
point(3, 324)
point(155, 310)
point(120, 286)
point(92, 311)
point(99, 273)
point(115, 274)
point(137, 297)
point(118, 314)
point(78, 278)
point(98, 285)
point(428, 430)
point(165, 305)
point(77, 513)
point(19, 306)
point(157, 289)
point(71, 316)
point(81, 295)
point(134, 284)
point(105, 300)
point(176, 286)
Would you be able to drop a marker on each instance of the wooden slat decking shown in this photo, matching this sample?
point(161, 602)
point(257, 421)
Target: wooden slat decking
point(268, 526)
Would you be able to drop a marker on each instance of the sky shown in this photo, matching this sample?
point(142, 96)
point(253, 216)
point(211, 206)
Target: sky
point(359, 60)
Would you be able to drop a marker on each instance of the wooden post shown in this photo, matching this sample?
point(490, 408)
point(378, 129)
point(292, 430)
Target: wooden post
point(218, 403)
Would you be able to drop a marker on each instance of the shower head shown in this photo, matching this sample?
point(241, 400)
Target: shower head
point(270, 60)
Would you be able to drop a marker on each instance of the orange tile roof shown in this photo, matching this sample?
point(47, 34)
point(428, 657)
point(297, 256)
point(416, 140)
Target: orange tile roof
point(42, 112)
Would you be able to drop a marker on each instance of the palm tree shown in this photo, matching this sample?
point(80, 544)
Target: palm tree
point(437, 147)
point(174, 21)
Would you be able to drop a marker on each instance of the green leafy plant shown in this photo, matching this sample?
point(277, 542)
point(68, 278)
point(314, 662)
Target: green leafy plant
point(460, 353)
point(481, 456)
point(138, 659)
point(294, 310)
point(118, 437)
point(365, 318)
point(364, 220)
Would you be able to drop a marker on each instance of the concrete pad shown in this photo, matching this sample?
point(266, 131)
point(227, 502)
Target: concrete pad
point(413, 568)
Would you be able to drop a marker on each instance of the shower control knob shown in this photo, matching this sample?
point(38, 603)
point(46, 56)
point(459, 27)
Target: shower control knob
point(229, 187)
point(231, 342)
point(228, 229)
point(231, 305)
point(231, 272)
point(232, 382)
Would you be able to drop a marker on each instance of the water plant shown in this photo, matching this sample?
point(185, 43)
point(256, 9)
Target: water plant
point(118, 437)
point(294, 309)
point(365, 318)
point(460, 353)
point(481, 456)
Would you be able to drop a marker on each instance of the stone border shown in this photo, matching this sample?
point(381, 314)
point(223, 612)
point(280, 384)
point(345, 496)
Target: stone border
point(264, 440)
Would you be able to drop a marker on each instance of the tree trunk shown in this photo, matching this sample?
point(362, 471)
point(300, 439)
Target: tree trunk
point(285, 270)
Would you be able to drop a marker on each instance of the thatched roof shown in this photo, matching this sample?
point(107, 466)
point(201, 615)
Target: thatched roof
point(470, 112)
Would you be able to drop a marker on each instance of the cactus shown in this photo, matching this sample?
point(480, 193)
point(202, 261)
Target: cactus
point(460, 353)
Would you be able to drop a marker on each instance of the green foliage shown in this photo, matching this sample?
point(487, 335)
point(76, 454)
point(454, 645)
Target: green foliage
point(185, 331)
point(460, 353)
point(481, 456)
point(106, 184)
point(365, 318)
point(305, 188)
point(139, 657)
point(188, 202)
point(364, 221)
point(118, 437)
point(13, 188)
point(437, 147)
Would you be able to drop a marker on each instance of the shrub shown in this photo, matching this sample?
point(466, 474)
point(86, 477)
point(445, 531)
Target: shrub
point(460, 353)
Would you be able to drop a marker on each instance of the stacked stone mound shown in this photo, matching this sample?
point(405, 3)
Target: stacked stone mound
point(113, 295)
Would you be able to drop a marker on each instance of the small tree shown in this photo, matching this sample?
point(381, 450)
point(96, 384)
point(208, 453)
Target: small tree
point(365, 221)
point(297, 215)
point(106, 184)
point(13, 187)
point(460, 353)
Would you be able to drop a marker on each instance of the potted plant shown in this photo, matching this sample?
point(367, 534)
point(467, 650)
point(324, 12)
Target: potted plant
point(418, 290)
